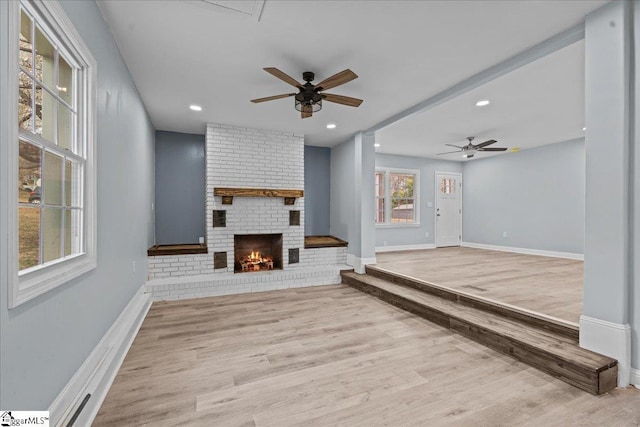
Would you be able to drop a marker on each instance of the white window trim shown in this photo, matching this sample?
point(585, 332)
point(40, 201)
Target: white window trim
point(27, 286)
point(387, 198)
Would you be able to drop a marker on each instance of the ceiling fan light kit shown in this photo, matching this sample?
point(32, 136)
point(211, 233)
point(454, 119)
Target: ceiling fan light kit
point(309, 98)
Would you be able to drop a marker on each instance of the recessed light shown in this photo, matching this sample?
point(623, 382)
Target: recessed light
point(376, 145)
point(482, 103)
point(584, 128)
point(195, 107)
point(331, 126)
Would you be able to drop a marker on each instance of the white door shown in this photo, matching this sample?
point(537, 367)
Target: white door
point(448, 209)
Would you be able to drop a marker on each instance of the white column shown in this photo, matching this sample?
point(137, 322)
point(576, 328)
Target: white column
point(604, 324)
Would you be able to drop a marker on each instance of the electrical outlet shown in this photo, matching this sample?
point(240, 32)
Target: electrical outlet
point(504, 234)
point(134, 266)
point(426, 234)
point(385, 243)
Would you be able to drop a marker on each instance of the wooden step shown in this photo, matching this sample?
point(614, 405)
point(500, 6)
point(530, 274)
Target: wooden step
point(544, 349)
point(538, 320)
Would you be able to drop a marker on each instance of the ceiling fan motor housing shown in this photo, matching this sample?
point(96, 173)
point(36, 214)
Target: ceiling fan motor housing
point(308, 96)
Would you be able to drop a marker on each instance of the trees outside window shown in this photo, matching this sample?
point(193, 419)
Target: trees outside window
point(396, 197)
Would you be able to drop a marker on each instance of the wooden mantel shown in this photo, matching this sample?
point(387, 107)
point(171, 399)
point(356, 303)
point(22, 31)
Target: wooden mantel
point(229, 193)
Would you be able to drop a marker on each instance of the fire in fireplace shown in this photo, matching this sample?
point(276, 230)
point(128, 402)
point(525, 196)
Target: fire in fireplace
point(257, 252)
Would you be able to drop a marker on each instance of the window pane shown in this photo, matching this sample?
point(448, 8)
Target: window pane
point(65, 80)
point(68, 176)
point(401, 185)
point(379, 210)
point(73, 227)
point(25, 102)
point(448, 185)
point(28, 237)
point(28, 170)
point(73, 184)
point(51, 234)
point(67, 233)
point(45, 65)
point(65, 127)
point(26, 45)
point(45, 115)
point(380, 184)
point(52, 185)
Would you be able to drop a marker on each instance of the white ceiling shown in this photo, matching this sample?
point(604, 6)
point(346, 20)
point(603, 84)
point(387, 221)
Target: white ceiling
point(185, 52)
point(537, 104)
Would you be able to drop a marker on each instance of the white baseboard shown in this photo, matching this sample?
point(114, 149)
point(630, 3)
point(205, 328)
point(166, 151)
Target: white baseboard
point(405, 247)
point(97, 373)
point(610, 339)
point(526, 251)
point(635, 378)
point(358, 264)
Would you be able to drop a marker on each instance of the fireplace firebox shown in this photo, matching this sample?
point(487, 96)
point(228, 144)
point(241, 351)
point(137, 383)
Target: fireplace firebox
point(257, 252)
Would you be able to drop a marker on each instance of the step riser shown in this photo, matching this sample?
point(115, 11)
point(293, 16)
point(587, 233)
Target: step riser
point(588, 380)
point(569, 332)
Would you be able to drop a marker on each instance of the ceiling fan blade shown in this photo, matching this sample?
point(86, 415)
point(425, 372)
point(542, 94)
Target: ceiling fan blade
point(492, 149)
point(340, 99)
point(448, 152)
point(271, 98)
point(484, 144)
point(337, 79)
point(282, 76)
point(307, 111)
point(457, 146)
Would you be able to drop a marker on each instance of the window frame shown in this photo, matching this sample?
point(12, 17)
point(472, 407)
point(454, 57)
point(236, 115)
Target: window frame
point(387, 198)
point(54, 22)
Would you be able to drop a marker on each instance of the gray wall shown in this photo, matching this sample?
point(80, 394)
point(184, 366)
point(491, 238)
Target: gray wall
point(317, 190)
point(343, 192)
point(45, 340)
point(537, 196)
point(414, 235)
point(180, 187)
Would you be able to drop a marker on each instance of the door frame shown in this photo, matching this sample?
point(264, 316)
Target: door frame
point(435, 207)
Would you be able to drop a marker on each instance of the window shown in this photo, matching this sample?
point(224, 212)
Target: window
point(53, 76)
point(396, 197)
point(447, 185)
point(380, 178)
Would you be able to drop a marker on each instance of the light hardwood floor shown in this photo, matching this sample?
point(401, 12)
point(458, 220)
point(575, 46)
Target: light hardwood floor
point(328, 356)
point(551, 286)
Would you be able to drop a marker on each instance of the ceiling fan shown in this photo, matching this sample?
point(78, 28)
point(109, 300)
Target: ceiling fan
point(470, 150)
point(308, 99)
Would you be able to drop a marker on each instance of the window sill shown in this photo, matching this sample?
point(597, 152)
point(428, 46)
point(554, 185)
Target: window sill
point(34, 283)
point(412, 225)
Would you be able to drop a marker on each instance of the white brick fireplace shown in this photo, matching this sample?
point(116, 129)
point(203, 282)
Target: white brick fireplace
point(252, 158)
point(258, 159)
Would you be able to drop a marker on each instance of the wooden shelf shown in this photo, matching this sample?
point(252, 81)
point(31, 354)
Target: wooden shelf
point(311, 242)
point(179, 249)
point(228, 194)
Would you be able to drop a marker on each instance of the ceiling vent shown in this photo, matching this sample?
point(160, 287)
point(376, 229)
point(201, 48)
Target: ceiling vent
point(251, 9)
